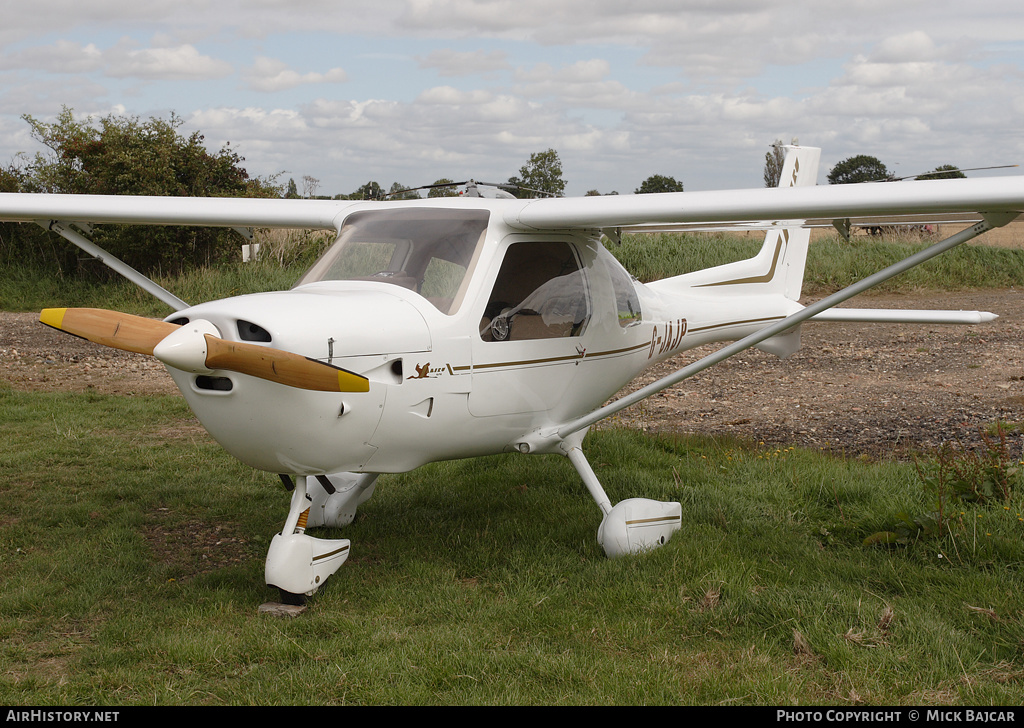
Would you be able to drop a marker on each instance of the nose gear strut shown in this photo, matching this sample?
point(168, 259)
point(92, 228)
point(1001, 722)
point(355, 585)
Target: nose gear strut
point(299, 564)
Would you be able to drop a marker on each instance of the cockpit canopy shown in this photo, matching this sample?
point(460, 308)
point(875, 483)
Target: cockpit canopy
point(428, 250)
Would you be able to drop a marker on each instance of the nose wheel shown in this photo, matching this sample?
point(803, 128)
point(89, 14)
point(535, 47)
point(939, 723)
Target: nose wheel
point(290, 599)
point(299, 564)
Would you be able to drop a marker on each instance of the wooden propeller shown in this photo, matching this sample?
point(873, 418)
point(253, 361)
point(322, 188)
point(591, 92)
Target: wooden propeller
point(199, 350)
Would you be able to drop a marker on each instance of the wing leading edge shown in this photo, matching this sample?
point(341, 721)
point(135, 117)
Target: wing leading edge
point(724, 208)
point(200, 211)
point(754, 206)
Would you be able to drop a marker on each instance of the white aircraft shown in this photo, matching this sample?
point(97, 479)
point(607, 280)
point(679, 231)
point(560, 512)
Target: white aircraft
point(457, 327)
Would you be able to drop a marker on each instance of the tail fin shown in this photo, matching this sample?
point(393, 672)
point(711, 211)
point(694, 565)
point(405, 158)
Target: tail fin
point(779, 266)
point(800, 169)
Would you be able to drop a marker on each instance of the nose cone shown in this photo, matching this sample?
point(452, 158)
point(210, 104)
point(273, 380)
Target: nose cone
point(284, 429)
point(186, 348)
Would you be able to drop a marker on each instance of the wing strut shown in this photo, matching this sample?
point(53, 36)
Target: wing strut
point(989, 221)
point(64, 230)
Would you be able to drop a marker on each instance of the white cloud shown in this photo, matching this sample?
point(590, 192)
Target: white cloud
point(449, 96)
point(581, 85)
point(915, 46)
point(122, 60)
point(594, 69)
point(270, 75)
point(182, 62)
point(62, 56)
point(411, 91)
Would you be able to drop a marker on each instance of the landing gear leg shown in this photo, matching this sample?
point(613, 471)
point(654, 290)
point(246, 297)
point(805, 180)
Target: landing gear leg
point(298, 564)
point(631, 526)
point(336, 497)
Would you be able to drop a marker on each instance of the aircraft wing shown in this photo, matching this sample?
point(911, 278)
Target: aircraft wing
point(719, 209)
point(755, 206)
point(202, 211)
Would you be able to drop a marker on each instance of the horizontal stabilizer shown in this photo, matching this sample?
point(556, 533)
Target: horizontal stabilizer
point(902, 316)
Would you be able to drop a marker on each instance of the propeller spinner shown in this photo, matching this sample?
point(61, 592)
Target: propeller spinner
point(197, 347)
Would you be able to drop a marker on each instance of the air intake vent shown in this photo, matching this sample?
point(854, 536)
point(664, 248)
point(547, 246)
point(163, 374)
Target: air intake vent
point(248, 331)
point(214, 384)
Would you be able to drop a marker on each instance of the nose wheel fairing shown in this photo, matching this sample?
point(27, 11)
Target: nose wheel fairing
point(298, 564)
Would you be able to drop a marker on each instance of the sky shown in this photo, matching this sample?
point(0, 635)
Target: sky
point(411, 91)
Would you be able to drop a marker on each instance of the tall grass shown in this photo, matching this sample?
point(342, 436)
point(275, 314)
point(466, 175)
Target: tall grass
point(284, 257)
point(654, 256)
point(832, 264)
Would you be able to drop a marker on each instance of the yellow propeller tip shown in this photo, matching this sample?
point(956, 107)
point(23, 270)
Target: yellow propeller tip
point(52, 317)
point(349, 382)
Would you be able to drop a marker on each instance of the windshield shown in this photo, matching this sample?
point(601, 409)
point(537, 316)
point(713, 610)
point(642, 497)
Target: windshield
point(428, 250)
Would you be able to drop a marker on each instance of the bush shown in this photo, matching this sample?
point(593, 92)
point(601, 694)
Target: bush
point(127, 156)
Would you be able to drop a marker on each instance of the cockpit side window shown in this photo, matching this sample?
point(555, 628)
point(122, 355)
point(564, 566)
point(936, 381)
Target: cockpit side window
point(540, 293)
point(428, 250)
point(627, 303)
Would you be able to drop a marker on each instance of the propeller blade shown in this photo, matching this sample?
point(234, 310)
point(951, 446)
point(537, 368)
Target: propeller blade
point(283, 367)
point(193, 350)
point(109, 328)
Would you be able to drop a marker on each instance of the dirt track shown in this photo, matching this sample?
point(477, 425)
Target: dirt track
point(863, 388)
point(869, 389)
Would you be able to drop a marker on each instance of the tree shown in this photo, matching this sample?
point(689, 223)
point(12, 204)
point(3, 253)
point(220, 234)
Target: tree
point(944, 171)
point(861, 168)
point(119, 155)
point(658, 183)
point(12, 178)
point(773, 162)
point(128, 156)
point(12, 249)
point(309, 186)
point(370, 191)
point(399, 191)
point(540, 177)
point(292, 192)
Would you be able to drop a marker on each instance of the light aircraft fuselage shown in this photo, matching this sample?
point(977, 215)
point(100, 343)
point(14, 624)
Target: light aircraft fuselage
point(469, 341)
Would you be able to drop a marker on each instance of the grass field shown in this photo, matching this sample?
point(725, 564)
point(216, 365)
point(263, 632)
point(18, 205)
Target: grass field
point(132, 555)
point(132, 547)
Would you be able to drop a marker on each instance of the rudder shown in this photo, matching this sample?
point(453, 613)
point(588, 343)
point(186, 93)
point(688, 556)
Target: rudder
point(800, 169)
point(778, 268)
